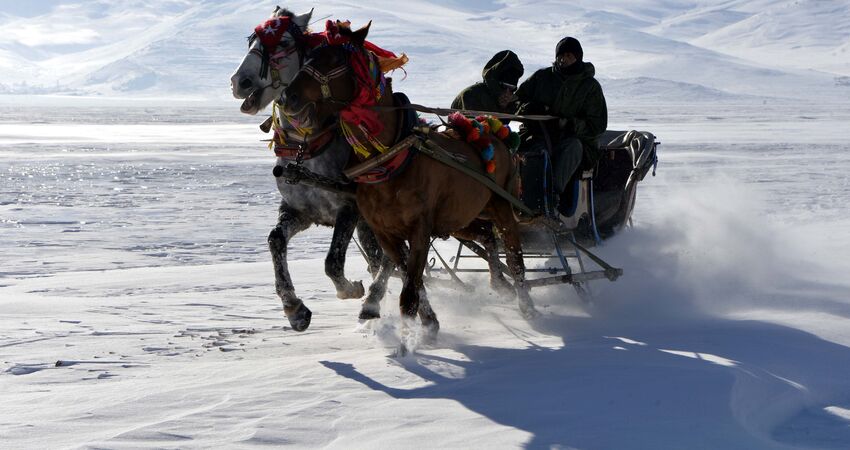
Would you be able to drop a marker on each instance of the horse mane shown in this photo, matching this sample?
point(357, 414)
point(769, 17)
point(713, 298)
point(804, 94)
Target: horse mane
point(283, 12)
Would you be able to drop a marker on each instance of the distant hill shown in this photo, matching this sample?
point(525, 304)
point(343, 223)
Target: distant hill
point(685, 50)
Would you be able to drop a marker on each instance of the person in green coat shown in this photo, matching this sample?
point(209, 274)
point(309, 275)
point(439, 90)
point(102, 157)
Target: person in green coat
point(569, 91)
point(496, 93)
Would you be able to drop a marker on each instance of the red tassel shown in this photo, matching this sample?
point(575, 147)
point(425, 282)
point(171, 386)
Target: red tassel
point(455, 119)
point(491, 166)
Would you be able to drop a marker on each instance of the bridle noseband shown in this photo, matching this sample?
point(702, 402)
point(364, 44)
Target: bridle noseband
point(271, 63)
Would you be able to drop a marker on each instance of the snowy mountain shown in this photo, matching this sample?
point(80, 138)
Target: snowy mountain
point(680, 49)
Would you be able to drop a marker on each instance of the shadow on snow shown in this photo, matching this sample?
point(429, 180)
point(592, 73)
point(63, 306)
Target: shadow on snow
point(696, 384)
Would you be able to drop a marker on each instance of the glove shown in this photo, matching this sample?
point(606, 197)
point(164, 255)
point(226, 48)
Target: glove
point(567, 128)
point(531, 108)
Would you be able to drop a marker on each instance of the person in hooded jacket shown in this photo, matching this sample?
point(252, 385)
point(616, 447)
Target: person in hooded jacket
point(569, 91)
point(496, 93)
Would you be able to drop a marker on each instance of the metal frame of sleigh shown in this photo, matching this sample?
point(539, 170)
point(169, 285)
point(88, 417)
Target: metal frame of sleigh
point(597, 204)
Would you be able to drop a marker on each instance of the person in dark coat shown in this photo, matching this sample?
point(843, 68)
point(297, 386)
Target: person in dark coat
point(567, 90)
point(496, 93)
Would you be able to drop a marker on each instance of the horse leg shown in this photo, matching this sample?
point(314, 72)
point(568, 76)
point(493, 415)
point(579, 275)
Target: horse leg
point(426, 313)
point(503, 217)
point(371, 249)
point(428, 317)
point(482, 232)
point(346, 220)
point(288, 225)
point(393, 256)
point(371, 308)
point(409, 301)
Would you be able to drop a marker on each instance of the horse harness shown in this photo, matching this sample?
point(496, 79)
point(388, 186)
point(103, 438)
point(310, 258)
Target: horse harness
point(394, 160)
point(310, 147)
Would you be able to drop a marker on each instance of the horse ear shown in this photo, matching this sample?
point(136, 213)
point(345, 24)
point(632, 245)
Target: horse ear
point(359, 36)
point(303, 20)
point(276, 10)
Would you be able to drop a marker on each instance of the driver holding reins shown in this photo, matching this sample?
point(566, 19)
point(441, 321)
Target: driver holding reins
point(569, 91)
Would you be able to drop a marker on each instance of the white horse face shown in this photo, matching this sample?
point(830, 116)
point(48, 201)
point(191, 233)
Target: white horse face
point(255, 82)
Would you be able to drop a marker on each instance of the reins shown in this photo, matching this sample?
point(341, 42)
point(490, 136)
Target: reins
point(465, 112)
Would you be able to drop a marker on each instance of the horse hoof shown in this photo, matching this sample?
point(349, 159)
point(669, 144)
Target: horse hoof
point(502, 287)
point(353, 290)
point(369, 314)
point(429, 333)
point(529, 312)
point(300, 319)
point(402, 351)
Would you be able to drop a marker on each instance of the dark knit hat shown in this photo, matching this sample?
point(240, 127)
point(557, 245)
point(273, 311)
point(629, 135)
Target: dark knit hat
point(569, 45)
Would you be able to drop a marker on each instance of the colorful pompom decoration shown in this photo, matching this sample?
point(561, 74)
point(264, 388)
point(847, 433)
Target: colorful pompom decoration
point(488, 153)
point(478, 131)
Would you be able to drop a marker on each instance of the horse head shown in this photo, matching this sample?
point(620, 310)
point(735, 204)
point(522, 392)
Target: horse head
point(275, 51)
point(326, 83)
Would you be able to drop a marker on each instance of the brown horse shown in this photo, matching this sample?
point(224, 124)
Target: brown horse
point(428, 199)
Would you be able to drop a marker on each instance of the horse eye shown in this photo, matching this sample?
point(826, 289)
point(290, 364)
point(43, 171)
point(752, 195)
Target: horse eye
point(284, 44)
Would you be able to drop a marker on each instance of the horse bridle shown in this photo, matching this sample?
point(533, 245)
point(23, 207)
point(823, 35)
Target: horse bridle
point(272, 60)
point(324, 80)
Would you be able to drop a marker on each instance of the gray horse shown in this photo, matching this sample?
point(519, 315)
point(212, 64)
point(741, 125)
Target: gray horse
point(276, 53)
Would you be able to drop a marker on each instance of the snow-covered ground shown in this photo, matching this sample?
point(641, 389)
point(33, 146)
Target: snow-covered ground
point(137, 304)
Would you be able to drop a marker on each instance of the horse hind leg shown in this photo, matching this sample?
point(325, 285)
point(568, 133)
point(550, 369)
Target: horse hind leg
point(428, 317)
point(506, 225)
point(288, 225)
point(481, 231)
point(346, 220)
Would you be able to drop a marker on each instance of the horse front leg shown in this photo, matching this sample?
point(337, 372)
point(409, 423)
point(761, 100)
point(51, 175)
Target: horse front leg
point(346, 219)
point(413, 299)
point(288, 225)
point(371, 308)
point(394, 255)
point(371, 248)
point(503, 217)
